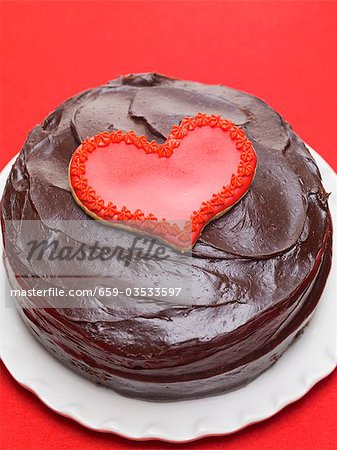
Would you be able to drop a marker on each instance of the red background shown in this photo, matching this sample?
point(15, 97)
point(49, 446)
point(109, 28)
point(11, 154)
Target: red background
point(283, 52)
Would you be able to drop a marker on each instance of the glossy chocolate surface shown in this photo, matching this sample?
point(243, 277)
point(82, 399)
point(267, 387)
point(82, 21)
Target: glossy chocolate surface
point(258, 271)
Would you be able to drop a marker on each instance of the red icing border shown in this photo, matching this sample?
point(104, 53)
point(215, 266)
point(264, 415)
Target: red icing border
point(171, 233)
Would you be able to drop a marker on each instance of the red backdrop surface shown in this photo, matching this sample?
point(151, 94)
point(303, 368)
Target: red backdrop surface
point(283, 52)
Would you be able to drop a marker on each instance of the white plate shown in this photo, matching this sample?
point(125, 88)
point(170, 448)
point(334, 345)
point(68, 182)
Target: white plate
point(310, 359)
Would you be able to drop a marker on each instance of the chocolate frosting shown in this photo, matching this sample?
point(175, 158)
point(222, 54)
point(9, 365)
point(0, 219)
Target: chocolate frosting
point(258, 271)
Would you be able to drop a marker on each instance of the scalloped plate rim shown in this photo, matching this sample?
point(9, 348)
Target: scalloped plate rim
point(198, 427)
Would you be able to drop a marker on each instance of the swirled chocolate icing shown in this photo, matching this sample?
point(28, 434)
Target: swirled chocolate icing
point(258, 271)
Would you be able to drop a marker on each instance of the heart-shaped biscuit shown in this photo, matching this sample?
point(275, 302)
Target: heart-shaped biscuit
point(170, 190)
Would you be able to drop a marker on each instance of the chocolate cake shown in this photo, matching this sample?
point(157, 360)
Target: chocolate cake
point(257, 271)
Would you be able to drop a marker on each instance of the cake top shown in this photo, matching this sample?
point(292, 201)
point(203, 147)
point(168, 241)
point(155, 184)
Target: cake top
point(245, 263)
